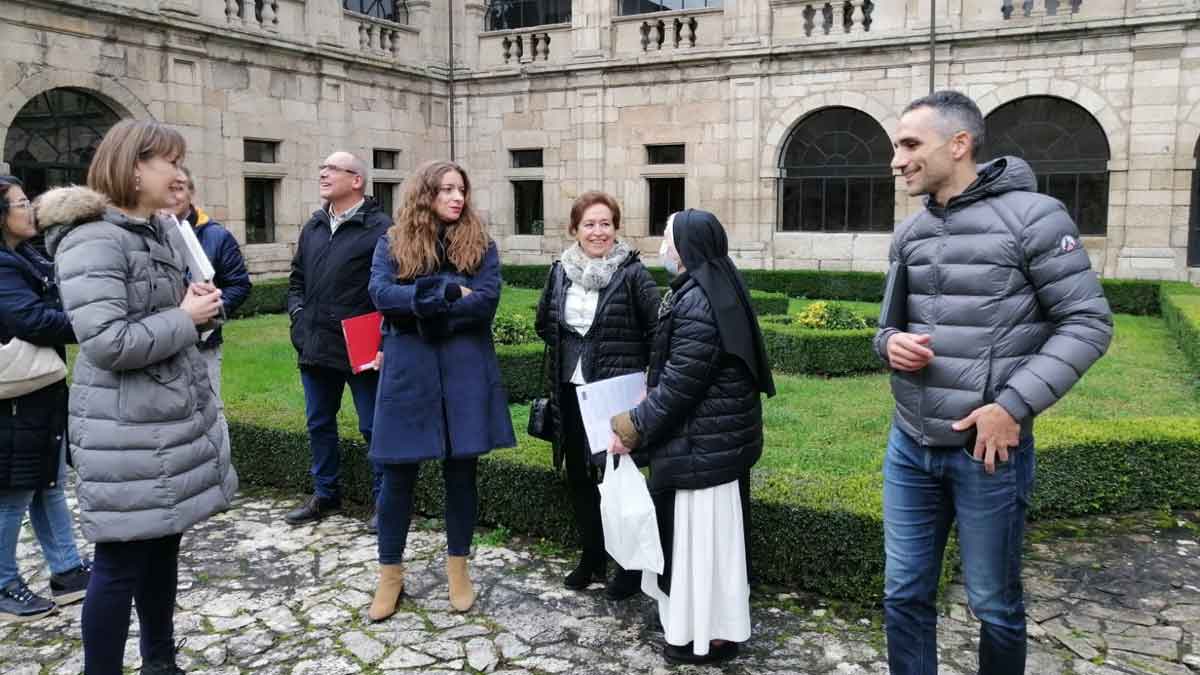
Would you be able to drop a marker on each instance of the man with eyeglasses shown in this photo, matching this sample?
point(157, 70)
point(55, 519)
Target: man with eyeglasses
point(328, 283)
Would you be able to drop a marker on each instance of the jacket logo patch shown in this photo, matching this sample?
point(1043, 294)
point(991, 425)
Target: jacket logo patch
point(1068, 244)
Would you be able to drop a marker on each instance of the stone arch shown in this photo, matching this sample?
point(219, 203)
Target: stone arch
point(783, 124)
point(991, 97)
point(116, 95)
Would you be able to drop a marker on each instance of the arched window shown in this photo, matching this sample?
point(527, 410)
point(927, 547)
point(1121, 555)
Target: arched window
point(511, 14)
point(52, 139)
point(388, 10)
point(836, 175)
point(1067, 149)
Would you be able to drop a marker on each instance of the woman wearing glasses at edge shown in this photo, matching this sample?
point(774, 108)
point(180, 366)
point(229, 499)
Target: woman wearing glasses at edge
point(33, 427)
point(700, 428)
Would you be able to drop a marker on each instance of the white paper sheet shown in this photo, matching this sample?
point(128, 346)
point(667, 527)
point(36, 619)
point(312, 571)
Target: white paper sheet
point(600, 401)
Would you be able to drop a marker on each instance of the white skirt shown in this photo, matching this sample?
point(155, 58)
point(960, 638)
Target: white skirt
point(710, 592)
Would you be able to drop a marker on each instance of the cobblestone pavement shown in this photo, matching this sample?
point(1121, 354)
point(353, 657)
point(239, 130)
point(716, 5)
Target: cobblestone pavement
point(1106, 596)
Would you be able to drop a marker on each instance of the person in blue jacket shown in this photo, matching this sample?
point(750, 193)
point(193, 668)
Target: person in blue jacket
point(32, 470)
point(228, 265)
point(436, 279)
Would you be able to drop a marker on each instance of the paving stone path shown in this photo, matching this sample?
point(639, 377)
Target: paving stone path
point(1106, 596)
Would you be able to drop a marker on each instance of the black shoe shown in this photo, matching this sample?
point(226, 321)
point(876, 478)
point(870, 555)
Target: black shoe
point(685, 656)
point(161, 668)
point(624, 585)
point(166, 666)
point(587, 571)
point(313, 509)
point(19, 604)
point(70, 586)
point(372, 523)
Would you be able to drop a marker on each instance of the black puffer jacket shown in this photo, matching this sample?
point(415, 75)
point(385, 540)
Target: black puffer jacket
point(619, 340)
point(32, 426)
point(701, 423)
point(329, 280)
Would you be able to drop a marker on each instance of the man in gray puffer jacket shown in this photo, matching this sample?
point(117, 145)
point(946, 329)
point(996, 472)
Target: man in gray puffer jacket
point(1003, 315)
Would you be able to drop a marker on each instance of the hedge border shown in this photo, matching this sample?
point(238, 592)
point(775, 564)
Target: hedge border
point(817, 533)
point(1125, 296)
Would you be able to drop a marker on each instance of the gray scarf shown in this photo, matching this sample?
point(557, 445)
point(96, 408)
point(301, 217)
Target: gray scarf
point(593, 273)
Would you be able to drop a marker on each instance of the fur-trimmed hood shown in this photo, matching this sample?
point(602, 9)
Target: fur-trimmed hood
point(59, 210)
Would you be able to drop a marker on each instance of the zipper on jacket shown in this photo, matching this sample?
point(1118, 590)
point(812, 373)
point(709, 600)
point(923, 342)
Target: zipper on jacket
point(14, 407)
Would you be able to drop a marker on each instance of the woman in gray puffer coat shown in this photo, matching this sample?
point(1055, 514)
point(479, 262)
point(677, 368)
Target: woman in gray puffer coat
point(151, 456)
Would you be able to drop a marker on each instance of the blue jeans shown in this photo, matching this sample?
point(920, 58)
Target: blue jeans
point(323, 389)
point(51, 519)
point(396, 503)
point(925, 490)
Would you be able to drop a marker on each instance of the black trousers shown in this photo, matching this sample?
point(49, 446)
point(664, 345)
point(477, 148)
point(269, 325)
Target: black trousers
point(144, 572)
point(582, 476)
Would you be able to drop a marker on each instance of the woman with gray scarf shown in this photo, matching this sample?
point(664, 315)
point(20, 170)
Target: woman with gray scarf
point(597, 312)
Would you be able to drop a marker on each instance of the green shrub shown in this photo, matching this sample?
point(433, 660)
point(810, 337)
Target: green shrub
point(266, 297)
point(521, 370)
point(830, 316)
point(513, 329)
point(765, 303)
point(1132, 296)
point(1182, 316)
point(525, 276)
point(793, 349)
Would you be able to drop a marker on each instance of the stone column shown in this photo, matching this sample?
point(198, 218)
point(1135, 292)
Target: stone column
point(591, 25)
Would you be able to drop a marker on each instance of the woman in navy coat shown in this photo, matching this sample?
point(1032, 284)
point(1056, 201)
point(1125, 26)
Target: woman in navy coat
point(436, 279)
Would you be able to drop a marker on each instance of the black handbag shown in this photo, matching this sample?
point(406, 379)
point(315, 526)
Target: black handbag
point(540, 425)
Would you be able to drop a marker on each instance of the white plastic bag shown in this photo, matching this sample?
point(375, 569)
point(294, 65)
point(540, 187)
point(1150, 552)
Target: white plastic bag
point(627, 515)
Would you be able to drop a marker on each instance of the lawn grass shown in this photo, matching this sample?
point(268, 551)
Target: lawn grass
point(815, 425)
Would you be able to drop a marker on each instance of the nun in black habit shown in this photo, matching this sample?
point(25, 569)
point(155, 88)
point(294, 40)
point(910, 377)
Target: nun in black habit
point(700, 430)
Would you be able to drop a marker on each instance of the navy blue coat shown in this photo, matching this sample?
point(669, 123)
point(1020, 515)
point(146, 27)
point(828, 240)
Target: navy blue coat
point(228, 264)
point(328, 282)
point(440, 381)
point(32, 426)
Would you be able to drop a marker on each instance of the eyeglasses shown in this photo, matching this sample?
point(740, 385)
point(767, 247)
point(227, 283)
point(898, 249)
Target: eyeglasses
point(20, 204)
point(330, 167)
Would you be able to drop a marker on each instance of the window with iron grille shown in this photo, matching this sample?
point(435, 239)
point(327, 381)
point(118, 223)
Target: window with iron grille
point(388, 10)
point(512, 14)
point(260, 210)
point(836, 175)
point(1066, 148)
point(629, 7)
point(666, 197)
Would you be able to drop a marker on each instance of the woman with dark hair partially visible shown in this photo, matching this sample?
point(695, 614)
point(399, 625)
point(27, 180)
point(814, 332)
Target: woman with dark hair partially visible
point(33, 469)
point(152, 457)
point(700, 427)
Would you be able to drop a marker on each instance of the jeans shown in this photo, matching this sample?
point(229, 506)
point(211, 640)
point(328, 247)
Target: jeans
point(396, 502)
point(145, 572)
point(51, 519)
point(323, 389)
point(925, 490)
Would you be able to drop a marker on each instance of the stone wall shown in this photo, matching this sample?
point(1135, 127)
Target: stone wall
point(730, 83)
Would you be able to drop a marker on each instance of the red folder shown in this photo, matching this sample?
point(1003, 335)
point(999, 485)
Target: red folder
point(363, 337)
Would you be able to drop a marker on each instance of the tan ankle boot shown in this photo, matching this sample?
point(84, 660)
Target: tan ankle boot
point(387, 594)
point(462, 593)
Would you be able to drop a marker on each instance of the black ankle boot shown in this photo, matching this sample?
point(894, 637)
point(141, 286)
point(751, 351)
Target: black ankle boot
point(589, 569)
point(624, 584)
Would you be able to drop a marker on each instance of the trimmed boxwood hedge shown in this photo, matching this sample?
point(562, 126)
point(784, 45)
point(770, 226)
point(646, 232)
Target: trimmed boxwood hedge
point(268, 296)
point(820, 533)
point(1125, 296)
point(797, 350)
point(765, 303)
point(1182, 316)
